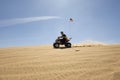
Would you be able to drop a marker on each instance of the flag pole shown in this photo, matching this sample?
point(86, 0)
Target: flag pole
point(70, 26)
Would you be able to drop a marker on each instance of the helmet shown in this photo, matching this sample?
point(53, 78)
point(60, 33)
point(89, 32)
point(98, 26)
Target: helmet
point(61, 32)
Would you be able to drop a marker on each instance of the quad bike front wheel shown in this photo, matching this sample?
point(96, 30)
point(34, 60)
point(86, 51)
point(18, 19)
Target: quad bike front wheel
point(56, 45)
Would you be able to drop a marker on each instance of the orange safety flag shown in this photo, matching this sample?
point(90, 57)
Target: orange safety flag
point(71, 20)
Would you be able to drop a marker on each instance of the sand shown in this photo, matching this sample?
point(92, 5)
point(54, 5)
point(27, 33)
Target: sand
point(46, 63)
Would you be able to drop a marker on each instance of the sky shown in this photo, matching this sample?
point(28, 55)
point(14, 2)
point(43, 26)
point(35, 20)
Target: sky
point(39, 22)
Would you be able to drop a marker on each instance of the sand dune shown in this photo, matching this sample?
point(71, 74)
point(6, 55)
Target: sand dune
point(46, 63)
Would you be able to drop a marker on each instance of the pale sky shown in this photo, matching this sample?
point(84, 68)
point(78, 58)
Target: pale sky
point(39, 22)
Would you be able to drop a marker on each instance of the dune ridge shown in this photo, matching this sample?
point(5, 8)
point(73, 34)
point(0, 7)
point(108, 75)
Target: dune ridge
point(47, 63)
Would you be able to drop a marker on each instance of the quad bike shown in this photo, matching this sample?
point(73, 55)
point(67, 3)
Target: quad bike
point(60, 41)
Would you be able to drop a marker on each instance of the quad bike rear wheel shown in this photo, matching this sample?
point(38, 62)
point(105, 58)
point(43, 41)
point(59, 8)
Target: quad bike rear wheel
point(68, 45)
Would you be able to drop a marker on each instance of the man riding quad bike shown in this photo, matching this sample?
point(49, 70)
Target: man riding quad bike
point(62, 40)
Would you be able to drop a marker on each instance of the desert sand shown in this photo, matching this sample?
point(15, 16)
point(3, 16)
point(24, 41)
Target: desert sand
point(46, 63)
